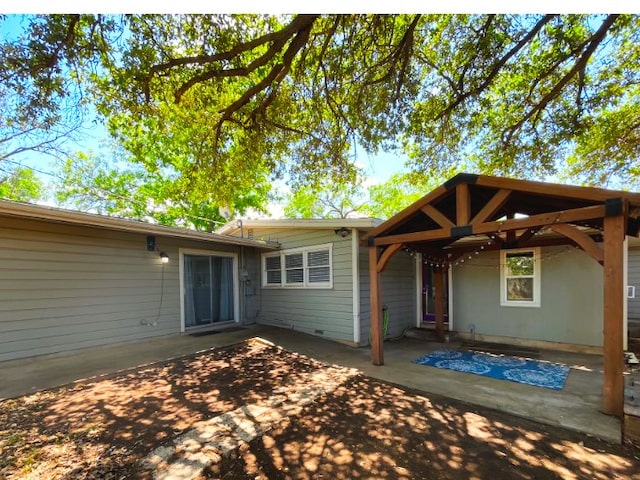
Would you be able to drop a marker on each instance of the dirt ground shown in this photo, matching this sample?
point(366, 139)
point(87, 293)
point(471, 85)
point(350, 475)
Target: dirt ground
point(364, 428)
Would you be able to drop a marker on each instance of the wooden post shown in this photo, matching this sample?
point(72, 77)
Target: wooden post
point(377, 353)
point(613, 388)
point(438, 285)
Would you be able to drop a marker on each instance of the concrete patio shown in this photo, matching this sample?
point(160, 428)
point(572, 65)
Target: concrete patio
point(576, 407)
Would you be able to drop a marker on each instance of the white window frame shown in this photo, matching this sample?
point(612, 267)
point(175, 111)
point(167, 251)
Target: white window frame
point(537, 274)
point(305, 284)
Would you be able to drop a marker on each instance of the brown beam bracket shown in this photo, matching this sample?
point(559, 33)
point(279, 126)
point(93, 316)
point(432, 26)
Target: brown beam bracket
point(584, 241)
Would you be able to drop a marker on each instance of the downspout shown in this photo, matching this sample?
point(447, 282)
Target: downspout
point(355, 287)
point(243, 287)
point(625, 289)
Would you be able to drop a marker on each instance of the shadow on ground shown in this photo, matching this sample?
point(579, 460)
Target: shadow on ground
point(369, 429)
point(365, 428)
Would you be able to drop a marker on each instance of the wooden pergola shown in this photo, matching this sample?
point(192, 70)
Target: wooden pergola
point(450, 221)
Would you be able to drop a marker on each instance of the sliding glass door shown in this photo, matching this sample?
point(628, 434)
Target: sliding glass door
point(209, 289)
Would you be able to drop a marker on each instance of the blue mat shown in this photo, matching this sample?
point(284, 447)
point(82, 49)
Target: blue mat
point(530, 372)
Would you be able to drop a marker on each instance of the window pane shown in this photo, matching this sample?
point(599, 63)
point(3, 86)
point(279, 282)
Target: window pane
point(319, 275)
point(273, 263)
point(293, 260)
point(274, 277)
point(519, 264)
point(520, 289)
point(295, 275)
point(222, 309)
point(319, 258)
point(197, 278)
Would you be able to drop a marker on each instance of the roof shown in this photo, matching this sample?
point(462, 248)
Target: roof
point(72, 217)
point(303, 223)
point(470, 204)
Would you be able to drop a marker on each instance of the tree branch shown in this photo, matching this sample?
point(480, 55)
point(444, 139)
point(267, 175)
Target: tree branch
point(277, 73)
point(406, 42)
point(497, 67)
point(280, 37)
point(287, 128)
point(580, 64)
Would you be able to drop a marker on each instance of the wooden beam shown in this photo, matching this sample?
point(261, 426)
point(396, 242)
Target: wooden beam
point(377, 349)
point(386, 256)
point(526, 235)
point(613, 388)
point(439, 234)
point(510, 237)
point(550, 242)
point(492, 206)
point(541, 220)
point(439, 296)
point(582, 239)
point(463, 204)
point(408, 212)
point(437, 216)
point(556, 189)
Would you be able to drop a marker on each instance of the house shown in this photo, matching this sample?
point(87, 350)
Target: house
point(318, 282)
point(71, 280)
point(488, 258)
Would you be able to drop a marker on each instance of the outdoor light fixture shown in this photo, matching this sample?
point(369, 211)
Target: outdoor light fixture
point(164, 257)
point(151, 243)
point(343, 232)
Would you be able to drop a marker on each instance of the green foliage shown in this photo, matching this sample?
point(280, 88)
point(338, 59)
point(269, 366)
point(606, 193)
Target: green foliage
point(342, 201)
point(130, 191)
point(223, 101)
point(335, 200)
point(401, 190)
point(22, 185)
point(519, 264)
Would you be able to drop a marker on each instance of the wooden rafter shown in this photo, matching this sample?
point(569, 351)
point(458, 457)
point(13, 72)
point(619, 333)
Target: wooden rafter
point(437, 216)
point(492, 206)
point(557, 190)
point(408, 212)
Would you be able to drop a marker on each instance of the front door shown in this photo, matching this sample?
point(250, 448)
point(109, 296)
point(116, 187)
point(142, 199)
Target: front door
point(428, 295)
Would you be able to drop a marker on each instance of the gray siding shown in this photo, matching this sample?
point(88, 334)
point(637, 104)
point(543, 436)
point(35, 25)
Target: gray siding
point(326, 312)
point(571, 299)
point(634, 279)
point(68, 287)
point(398, 289)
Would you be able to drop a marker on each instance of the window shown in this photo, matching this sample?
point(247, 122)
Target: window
point(308, 267)
point(520, 278)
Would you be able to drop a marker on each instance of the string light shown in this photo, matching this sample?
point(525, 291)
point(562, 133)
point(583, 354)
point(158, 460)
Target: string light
point(444, 262)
